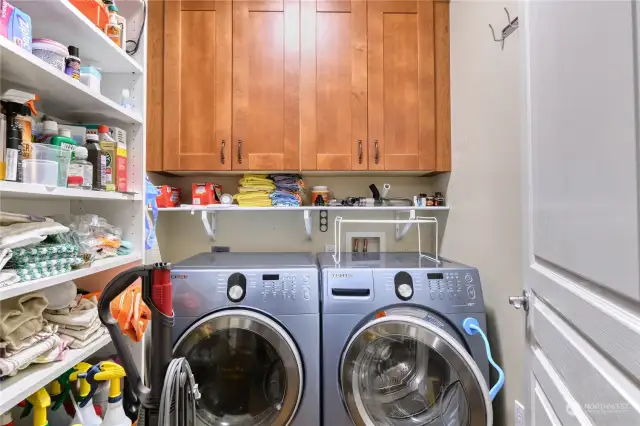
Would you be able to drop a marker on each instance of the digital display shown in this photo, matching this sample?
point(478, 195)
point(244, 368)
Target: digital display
point(271, 277)
point(435, 276)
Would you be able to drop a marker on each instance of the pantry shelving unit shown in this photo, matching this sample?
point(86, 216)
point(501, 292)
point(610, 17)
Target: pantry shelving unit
point(72, 102)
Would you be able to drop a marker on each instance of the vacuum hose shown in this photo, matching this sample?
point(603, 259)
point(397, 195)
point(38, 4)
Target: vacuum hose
point(180, 391)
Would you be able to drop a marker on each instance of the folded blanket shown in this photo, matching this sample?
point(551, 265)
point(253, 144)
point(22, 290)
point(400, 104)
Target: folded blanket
point(256, 183)
point(7, 218)
point(21, 317)
point(36, 273)
point(43, 252)
point(78, 344)
point(8, 277)
point(24, 234)
point(78, 317)
point(253, 199)
point(10, 365)
point(8, 348)
point(81, 334)
point(285, 198)
point(289, 182)
point(5, 256)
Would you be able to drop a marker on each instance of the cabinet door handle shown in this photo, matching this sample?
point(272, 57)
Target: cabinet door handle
point(377, 156)
point(360, 151)
point(239, 151)
point(222, 151)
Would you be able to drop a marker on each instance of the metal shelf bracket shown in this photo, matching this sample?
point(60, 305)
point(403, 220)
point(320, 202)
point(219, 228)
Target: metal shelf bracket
point(400, 233)
point(209, 224)
point(307, 223)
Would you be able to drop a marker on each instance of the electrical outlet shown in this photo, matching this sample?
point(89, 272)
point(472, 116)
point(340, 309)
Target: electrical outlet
point(329, 248)
point(519, 413)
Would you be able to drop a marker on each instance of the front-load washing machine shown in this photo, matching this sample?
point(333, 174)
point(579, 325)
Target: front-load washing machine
point(249, 325)
point(395, 351)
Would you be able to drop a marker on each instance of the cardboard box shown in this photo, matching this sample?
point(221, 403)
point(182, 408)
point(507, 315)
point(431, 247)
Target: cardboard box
point(204, 194)
point(15, 25)
point(169, 196)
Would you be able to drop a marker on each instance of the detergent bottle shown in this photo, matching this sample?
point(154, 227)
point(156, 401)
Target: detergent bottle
point(38, 402)
point(59, 391)
point(85, 414)
point(109, 370)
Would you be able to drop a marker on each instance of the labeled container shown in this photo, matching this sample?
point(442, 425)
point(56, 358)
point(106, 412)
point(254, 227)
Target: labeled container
point(91, 77)
point(98, 159)
point(51, 52)
point(77, 133)
point(80, 170)
point(44, 172)
point(113, 29)
point(94, 10)
point(169, 196)
point(319, 192)
point(54, 153)
point(204, 194)
point(72, 63)
point(15, 25)
point(108, 145)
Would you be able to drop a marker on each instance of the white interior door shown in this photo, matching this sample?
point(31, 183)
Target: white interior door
point(582, 267)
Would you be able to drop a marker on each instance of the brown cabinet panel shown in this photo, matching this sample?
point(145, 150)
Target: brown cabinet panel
point(155, 76)
point(402, 101)
point(197, 85)
point(333, 105)
point(266, 73)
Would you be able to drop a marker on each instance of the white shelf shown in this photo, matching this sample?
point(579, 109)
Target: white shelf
point(235, 208)
point(60, 95)
point(59, 20)
point(97, 266)
point(17, 190)
point(26, 382)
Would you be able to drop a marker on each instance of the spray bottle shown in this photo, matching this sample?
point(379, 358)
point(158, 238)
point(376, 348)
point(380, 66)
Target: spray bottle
point(6, 419)
point(85, 414)
point(39, 402)
point(15, 103)
point(109, 370)
point(59, 391)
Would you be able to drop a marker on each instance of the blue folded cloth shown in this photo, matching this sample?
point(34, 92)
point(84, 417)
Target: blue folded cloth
point(284, 198)
point(288, 182)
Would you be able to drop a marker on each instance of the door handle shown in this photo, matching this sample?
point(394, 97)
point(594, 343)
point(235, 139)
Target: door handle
point(239, 151)
point(520, 302)
point(222, 151)
point(377, 154)
point(360, 151)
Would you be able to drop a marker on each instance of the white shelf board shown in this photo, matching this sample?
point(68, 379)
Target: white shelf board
point(60, 95)
point(59, 20)
point(97, 266)
point(235, 208)
point(17, 190)
point(26, 382)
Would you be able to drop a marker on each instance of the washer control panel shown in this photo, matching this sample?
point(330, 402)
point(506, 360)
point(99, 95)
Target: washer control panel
point(286, 286)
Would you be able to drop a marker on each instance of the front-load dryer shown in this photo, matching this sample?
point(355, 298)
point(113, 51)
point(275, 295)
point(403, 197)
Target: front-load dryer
point(249, 325)
point(394, 349)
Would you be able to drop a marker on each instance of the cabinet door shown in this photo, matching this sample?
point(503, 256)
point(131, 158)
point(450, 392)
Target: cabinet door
point(266, 89)
point(402, 84)
point(197, 85)
point(333, 106)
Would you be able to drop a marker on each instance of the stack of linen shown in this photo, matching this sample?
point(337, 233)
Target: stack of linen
point(288, 190)
point(78, 322)
point(254, 191)
point(25, 335)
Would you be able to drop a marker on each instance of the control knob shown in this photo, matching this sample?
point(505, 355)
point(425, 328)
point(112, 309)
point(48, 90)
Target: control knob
point(235, 293)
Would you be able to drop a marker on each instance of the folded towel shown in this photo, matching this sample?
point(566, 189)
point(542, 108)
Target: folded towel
point(78, 317)
point(24, 234)
point(5, 256)
point(285, 198)
point(78, 344)
point(7, 218)
point(8, 277)
point(81, 334)
point(9, 366)
point(39, 272)
point(43, 252)
point(21, 316)
point(9, 348)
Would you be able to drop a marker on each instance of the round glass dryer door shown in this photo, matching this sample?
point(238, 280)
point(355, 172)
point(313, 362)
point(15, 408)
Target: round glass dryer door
point(247, 367)
point(400, 370)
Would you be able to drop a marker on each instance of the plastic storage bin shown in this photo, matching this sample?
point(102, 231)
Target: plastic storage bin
point(50, 51)
point(53, 153)
point(43, 172)
point(91, 77)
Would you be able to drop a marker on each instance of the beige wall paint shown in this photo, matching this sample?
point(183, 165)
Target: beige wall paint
point(484, 189)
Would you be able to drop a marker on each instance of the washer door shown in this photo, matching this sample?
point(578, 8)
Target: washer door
point(247, 367)
point(400, 370)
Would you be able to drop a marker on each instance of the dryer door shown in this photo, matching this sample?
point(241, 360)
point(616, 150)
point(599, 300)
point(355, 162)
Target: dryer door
point(247, 367)
point(400, 370)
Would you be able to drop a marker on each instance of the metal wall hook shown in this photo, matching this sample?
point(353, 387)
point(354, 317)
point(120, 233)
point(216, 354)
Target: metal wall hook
point(506, 31)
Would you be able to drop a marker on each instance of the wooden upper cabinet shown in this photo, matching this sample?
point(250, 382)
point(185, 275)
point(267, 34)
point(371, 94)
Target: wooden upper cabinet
point(333, 105)
point(266, 89)
point(197, 85)
point(406, 127)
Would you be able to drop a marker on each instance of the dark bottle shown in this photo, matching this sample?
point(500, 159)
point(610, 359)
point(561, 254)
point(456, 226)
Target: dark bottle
point(13, 154)
point(72, 63)
point(98, 158)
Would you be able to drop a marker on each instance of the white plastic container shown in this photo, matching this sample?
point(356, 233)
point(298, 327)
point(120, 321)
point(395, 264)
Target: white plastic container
point(53, 153)
point(78, 133)
point(91, 77)
point(50, 51)
point(44, 172)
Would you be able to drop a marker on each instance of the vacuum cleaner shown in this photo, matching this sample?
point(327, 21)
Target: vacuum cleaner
point(170, 398)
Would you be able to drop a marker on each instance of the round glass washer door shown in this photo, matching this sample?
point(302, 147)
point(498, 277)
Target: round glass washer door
point(248, 369)
point(400, 370)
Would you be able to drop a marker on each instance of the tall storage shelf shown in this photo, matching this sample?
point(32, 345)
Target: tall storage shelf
point(71, 102)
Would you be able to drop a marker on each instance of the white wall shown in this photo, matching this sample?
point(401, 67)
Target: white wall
point(484, 225)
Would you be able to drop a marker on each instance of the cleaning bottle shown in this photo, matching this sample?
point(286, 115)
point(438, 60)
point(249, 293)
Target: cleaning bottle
point(85, 400)
point(113, 29)
point(59, 391)
point(6, 419)
point(39, 402)
point(109, 370)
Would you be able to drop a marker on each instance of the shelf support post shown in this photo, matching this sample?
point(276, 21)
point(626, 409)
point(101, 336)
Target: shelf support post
point(209, 225)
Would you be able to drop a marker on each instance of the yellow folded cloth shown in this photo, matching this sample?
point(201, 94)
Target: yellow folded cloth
point(254, 181)
point(257, 188)
point(253, 199)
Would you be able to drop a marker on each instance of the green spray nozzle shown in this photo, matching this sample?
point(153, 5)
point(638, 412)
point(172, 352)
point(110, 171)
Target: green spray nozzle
point(60, 388)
